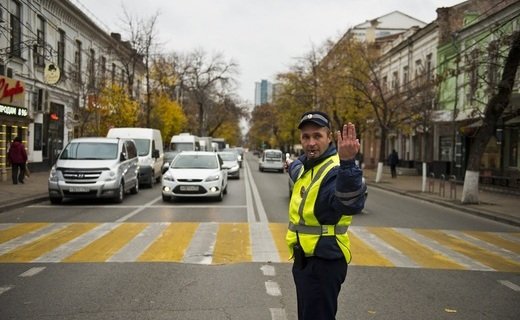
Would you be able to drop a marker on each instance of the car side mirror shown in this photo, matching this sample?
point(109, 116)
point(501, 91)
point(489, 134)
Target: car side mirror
point(122, 157)
point(155, 153)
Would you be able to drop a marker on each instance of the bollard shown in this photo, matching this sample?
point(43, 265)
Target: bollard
point(442, 190)
point(453, 187)
point(431, 183)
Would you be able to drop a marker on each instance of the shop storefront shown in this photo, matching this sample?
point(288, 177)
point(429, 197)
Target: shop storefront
point(14, 119)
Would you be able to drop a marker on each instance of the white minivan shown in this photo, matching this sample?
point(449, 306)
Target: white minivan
point(150, 149)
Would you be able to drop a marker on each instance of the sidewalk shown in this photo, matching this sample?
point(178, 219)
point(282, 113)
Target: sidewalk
point(498, 206)
point(495, 205)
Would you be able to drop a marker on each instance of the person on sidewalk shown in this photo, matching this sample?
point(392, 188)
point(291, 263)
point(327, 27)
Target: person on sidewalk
point(18, 158)
point(393, 160)
point(328, 190)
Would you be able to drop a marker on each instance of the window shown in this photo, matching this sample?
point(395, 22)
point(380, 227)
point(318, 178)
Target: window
point(92, 69)
point(493, 66)
point(38, 136)
point(513, 148)
point(77, 62)
point(61, 51)
point(429, 73)
point(39, 47)
point(472, 62)
point(395, 81)
point(113, 75)
point(385, 83)
point(16, 30)
point(103, 67)
point(406, 78)
point(445, 148)
point(418, 65)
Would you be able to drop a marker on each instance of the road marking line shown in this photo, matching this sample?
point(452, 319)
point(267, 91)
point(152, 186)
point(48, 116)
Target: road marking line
point(262, 244)
point(6, 225)
point(30, 237)
point(138, 206)
point(69, 248)
point(486, 245)
point(32, 272)
point(510, 285)
point(273, 288)
point(249, 198)
point(278, 314)
point(136, 211)
point(233, 244)
point(200, 250)
point(134, 248)
point(171, 244)
point(259, 205)
point(5, 289)
point(268, 270)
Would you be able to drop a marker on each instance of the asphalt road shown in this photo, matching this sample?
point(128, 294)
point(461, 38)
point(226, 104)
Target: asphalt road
point(194, 259)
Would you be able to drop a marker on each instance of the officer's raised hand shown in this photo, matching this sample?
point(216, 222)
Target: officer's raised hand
point(348, 145)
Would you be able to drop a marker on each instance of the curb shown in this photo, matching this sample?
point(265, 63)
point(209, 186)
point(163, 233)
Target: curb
point(23, 202)
point(480, 213)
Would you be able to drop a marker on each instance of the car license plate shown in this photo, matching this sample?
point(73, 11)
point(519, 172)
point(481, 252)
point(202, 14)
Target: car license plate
point(79, 189)
point(189, 188)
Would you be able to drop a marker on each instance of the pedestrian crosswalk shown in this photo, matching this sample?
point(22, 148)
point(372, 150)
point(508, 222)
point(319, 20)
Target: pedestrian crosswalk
point(225, 243)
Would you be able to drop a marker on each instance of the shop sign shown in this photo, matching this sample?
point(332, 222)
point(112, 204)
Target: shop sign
point(13, 111)
point(12, 92)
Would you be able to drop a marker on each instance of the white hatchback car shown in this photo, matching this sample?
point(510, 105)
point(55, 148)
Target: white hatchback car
point(195, 174)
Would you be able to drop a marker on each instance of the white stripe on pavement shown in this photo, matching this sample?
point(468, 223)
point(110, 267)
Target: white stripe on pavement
point(263, 248)
point(202, 245)
point(136, 211)
point(142, 241)
point(32, 272)
point(30, 237)
point(262, 216)
point(5, 289)
point(273, 288)
point(510, 285)
point(278, 314)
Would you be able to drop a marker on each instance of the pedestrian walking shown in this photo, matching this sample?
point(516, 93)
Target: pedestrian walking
point(328, 190)
point(18, 158)
point(393, 160)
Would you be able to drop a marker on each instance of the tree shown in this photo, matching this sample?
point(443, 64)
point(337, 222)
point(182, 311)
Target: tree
point(492, 112)
point(166, 115)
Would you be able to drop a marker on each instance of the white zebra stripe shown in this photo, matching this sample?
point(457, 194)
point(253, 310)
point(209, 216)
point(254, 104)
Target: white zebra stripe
point(4, 226)
point(389, 252)
point(263, 248)
point(200, 250)
point(142, 241)
point(433, 245)
point(30, 237)
point(67, 249)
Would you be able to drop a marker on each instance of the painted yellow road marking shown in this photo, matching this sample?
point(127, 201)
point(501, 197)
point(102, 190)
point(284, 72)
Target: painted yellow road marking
point(39, 247)
point(233, 244)
point(171, 244)
point(364, 255)
point(417, 252)
point(496, 240)
point(278, 230)
point(103, 248)
point(476, 253)
point(19, 230)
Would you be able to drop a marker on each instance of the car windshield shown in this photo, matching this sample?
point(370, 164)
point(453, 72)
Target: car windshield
point(89, 151)
point(190, 161)
point(273, 155)
point(143, 146)
point(228, 156)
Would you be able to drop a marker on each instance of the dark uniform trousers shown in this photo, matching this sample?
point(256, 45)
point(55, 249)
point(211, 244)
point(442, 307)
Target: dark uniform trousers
point(317, 287)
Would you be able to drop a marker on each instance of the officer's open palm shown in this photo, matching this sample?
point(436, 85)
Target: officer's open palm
point(348, 144)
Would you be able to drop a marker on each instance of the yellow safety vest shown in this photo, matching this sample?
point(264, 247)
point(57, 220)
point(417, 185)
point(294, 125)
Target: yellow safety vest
point(301, 212)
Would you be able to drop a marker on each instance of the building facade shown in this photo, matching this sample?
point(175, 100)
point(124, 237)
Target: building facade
point(263, 92)
point(53, 61)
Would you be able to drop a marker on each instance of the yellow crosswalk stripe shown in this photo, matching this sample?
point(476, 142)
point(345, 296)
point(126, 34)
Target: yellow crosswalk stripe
point(417, 252)
point(19, 230)
point(171, 244)
point(496, 240)
point(33, 250)
point(233, 244)
point(103, 248)
point(476, 253)
point(278, 230)
point(364, 255)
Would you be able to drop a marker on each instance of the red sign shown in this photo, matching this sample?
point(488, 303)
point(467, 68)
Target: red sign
point(12, 92)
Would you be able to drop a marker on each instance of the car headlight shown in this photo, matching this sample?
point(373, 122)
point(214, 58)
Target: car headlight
point(55, 175)
point(233, 168)
point(213, 177)
point(168, 176)
point(110, 176)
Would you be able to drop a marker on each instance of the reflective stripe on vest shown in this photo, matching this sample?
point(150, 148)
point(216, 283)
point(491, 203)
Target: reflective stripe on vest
point(323, 230)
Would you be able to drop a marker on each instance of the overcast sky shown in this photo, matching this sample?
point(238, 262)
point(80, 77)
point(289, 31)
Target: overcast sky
point(263, 36)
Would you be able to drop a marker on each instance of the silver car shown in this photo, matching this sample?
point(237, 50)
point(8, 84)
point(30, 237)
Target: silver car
point(231, 163)
point(272, 160)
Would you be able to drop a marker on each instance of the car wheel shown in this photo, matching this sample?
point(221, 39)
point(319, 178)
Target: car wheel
point(55, 200)
point(220, 196)
point(166, 198)
point(120, 193)
point(135, 189)
point(152, 181)
point(225, 189)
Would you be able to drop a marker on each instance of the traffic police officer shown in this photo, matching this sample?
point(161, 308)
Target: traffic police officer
point(328, 190)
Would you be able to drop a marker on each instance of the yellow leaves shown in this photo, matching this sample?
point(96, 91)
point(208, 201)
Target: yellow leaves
point(167, 116)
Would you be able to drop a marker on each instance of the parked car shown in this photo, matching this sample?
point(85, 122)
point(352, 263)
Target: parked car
point(195, 174)
point(149, 148)
point(271, 159)
point(231, 163)
point(95, 168)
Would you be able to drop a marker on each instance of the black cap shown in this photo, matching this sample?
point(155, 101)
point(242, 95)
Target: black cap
point(316, 117)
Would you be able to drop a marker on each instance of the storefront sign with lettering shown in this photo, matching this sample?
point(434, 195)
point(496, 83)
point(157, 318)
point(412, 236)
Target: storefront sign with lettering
point(12, 92)
point(13, 111)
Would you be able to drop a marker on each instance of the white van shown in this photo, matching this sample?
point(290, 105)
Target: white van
point(149, 148)
point(185, 142)
point(95, 168)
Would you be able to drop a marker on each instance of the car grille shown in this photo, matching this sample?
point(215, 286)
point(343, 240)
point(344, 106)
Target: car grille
point(79, 176)
point(189, 180)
